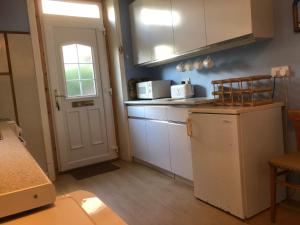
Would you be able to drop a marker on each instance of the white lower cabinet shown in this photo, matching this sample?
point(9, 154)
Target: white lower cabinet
point(158, 144)
point(180, 150)
point(139, 146)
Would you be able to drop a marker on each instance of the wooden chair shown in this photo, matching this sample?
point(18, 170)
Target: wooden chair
point(286, 163)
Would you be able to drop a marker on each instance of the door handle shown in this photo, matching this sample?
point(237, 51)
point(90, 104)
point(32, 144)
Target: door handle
point(57, 104)
point(189, 127)
point(57, 95)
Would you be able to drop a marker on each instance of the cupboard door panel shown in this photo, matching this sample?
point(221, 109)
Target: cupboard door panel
point(180, 149)
point(156, 112)
point(157, 15)
point(7, 109)
point(3, 56)
point(188, 25)
point(136, 111)
point(27, 99)
point(140, 34)
point(137, 129)
point(158, 144)
point(226, 20)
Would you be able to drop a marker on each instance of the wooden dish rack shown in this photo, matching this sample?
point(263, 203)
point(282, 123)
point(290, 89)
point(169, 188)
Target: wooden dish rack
point(243, 91)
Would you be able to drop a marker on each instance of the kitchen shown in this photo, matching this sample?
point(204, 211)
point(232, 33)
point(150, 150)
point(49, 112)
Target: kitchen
point(160, 134)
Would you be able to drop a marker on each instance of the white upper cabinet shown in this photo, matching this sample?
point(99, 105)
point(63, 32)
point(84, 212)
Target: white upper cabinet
point(230, 19)
point(151, 30)
point(163, 29)
point(157, 15)
point(140, 34)
point(188, 25)
point(226, 20)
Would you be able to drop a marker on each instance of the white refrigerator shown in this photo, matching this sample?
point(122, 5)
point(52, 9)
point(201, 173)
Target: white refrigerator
point(231, 148)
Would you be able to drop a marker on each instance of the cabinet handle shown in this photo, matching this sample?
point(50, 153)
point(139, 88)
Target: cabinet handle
point(189, 127)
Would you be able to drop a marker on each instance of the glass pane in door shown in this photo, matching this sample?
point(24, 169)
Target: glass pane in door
point(79, 70)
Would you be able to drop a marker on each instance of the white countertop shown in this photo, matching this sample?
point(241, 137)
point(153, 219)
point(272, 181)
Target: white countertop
point(170, 101)
point(23, 184)
point(18, 170)
point(210, 108)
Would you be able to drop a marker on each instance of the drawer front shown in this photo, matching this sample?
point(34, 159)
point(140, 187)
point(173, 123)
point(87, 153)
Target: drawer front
point(177, 114)
point(156, 112)
point(136, 111)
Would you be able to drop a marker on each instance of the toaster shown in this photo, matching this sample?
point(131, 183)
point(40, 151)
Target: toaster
point(182, 91)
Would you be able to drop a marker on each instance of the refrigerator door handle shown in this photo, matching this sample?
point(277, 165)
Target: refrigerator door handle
point(189, 129)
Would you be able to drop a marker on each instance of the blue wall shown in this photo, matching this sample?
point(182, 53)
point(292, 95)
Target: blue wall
point(13, 16)
point(131, 71)
point(253, 59)
point(258, 58)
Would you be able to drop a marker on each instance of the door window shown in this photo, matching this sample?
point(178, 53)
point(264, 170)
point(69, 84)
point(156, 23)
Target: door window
point(79, 70)
point(63, 8)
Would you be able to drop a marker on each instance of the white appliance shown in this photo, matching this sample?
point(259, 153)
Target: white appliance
point(182, 91)
point(231, 148)
point(154, 89)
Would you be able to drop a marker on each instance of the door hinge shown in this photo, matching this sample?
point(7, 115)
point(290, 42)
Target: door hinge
point(109, 91)
point(121, 50)
point(115, 149)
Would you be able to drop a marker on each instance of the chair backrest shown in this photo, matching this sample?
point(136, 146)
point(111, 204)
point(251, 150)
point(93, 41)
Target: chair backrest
point(294, 116)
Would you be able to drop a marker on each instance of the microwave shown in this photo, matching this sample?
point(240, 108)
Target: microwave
point(154, 89)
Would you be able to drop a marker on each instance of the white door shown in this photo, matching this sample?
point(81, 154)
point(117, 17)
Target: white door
point(137, 129)
point(158, 144)
point(78, 68)
point(188, 19)
point(157, 15)
point(180, 149)
point(140, 34)
point(226, 20)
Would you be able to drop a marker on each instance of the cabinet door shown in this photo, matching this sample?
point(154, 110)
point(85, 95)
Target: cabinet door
point(216, 161)
point(188, 25)
point(180, 149)
point(140, 33)
point(136, 111)
point(156, 15)
point(158, 144)
point(7, 109)
point(137, 129)
point(226, 20)
point(3, 56)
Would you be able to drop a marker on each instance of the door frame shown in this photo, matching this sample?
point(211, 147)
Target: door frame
point(48, 23)
point(34, 12)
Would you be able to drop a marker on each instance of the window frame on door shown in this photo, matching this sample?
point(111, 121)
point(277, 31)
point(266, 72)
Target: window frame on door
point(95, 78)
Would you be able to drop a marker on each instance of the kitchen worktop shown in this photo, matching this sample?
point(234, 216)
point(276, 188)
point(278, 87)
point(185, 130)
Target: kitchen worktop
point(234, 110)
point(170, 101)
point(23, 184)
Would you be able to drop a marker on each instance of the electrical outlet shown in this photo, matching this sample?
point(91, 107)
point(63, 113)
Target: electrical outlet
point(281, 71)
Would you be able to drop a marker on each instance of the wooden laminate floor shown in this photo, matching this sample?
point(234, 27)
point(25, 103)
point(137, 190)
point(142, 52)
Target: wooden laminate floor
point(142, 196)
